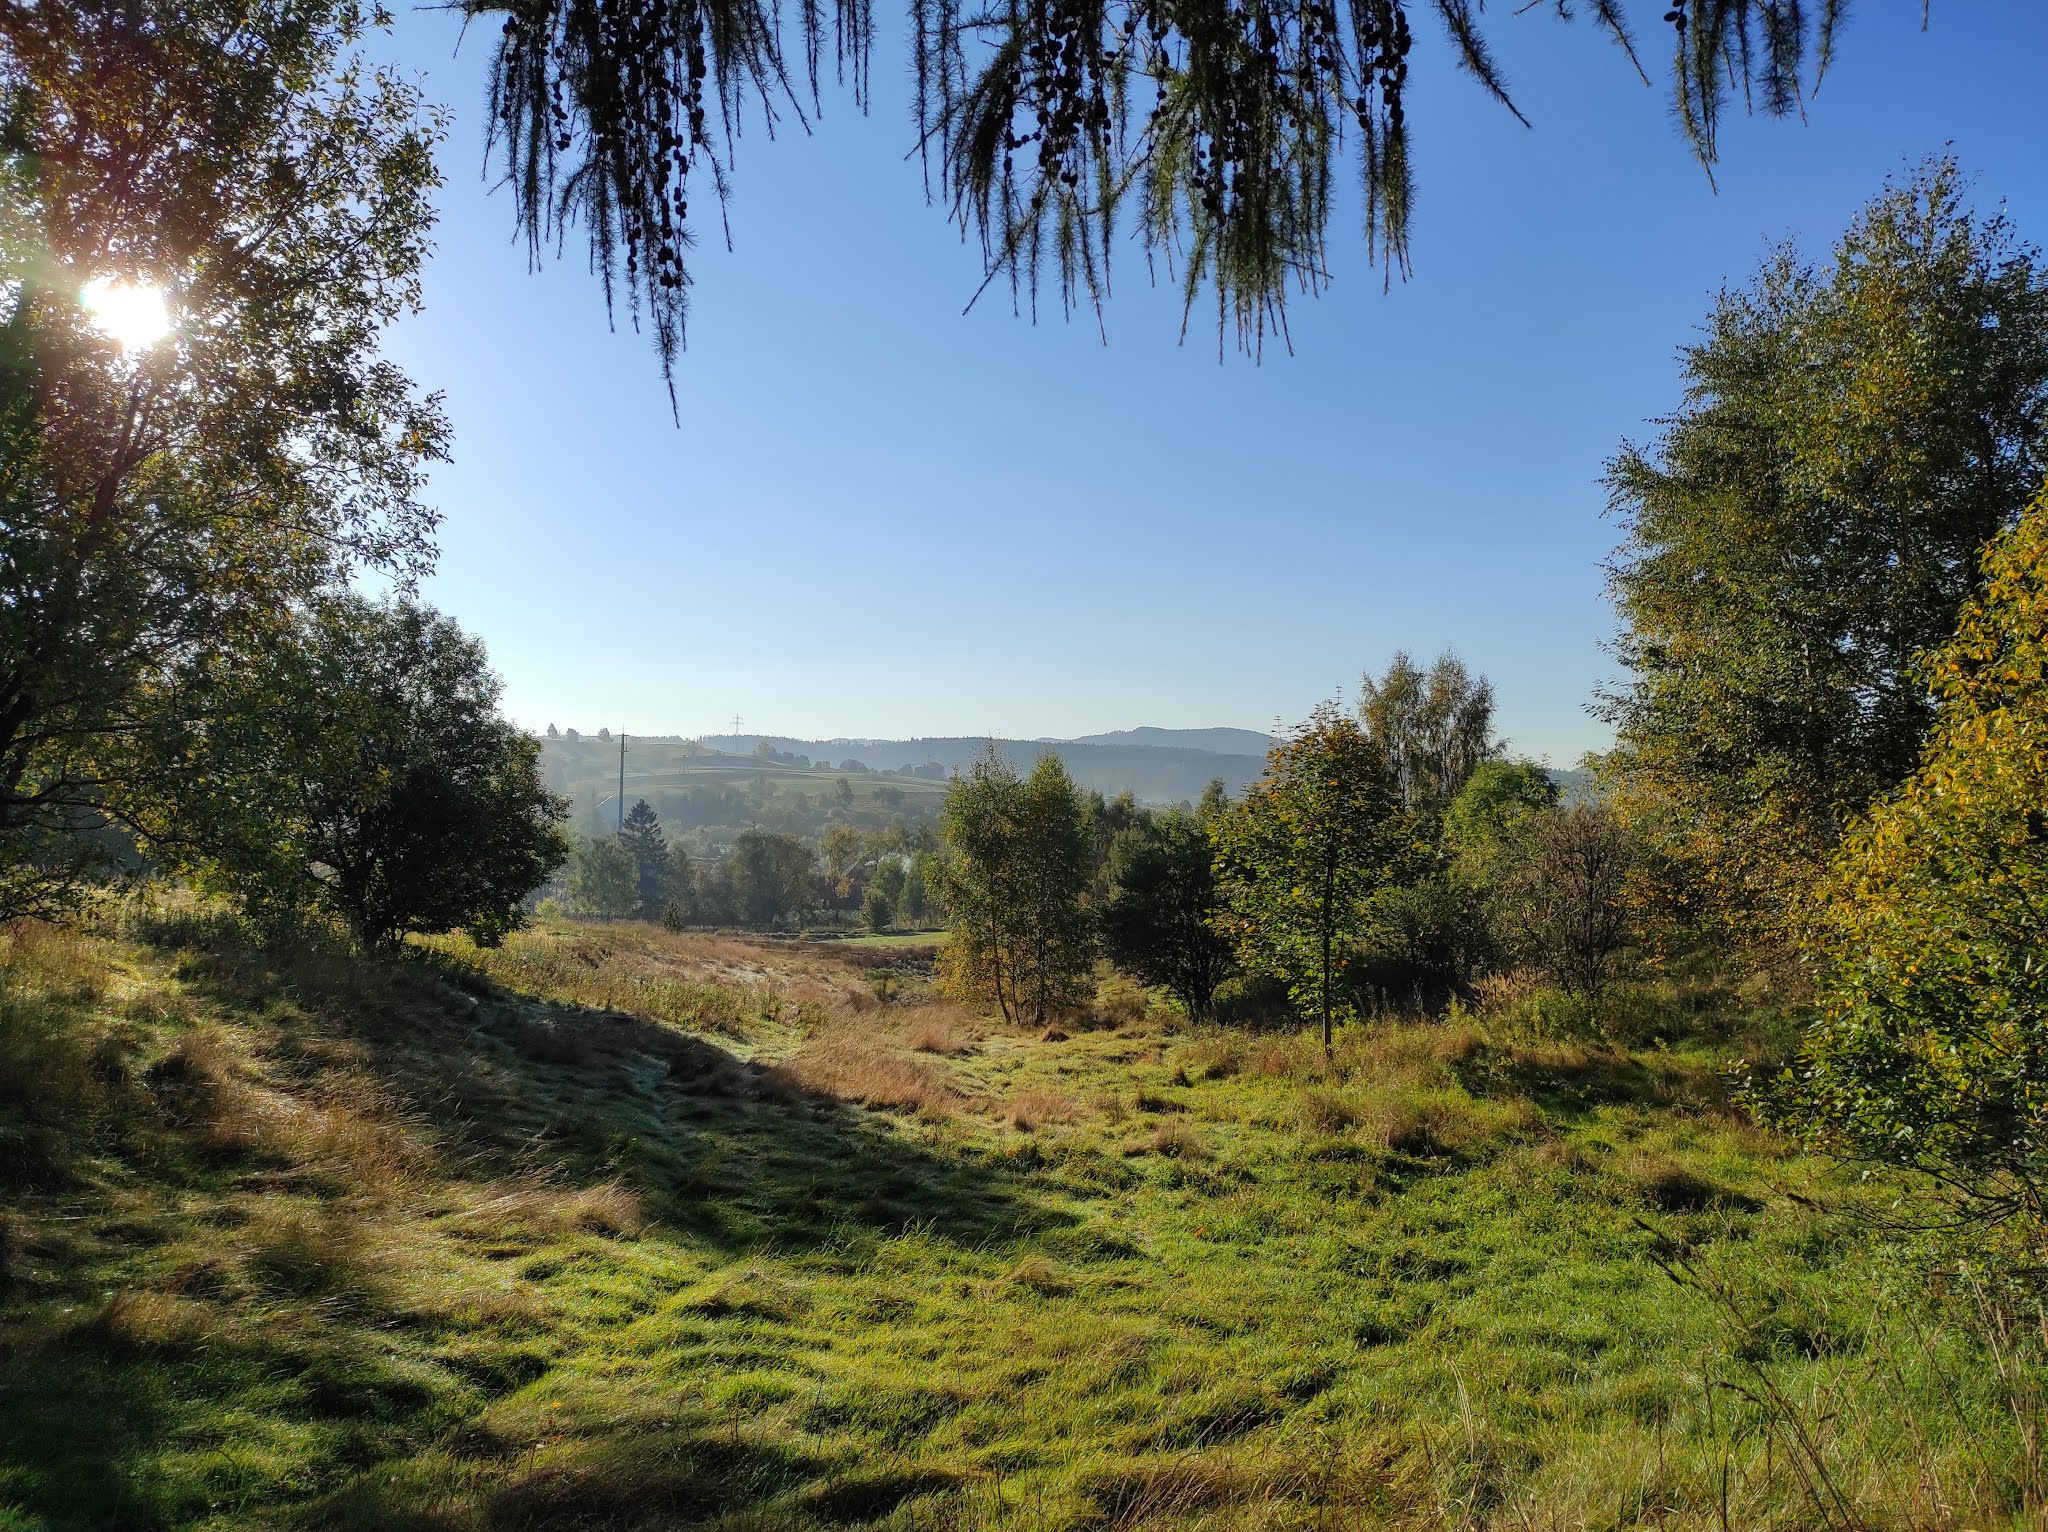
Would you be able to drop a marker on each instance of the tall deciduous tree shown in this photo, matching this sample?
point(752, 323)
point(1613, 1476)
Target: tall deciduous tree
point(603, 880)
point(1483, 822)
point(1159, 920)
point(1852, 435)
point(1021, 859)
point(678, 888)
point(1301, 855)
point(769, 877)
point(362, 768)
point(1434, 725)
point(168, 506)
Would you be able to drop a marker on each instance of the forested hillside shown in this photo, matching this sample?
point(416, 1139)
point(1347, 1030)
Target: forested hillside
point(1163, 773)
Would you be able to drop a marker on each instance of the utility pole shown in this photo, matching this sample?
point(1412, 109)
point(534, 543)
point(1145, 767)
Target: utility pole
point(622, 781)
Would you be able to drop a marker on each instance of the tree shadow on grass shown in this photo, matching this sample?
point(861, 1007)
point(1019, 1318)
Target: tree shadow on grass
point(266, 1383)
point(722, 1150)
point(1574, 1081)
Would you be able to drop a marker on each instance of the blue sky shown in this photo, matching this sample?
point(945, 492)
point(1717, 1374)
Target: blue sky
point(880, 517)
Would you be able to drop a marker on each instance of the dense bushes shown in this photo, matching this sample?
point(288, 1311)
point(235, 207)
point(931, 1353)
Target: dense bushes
point(1931, 1052)
point(362, 769)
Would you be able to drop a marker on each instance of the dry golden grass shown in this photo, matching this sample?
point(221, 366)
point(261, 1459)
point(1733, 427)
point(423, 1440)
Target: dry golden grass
point(1121, 1002)
point(1166, 1491)
point(155, 1322)
point(1356, 1482)
point(940, 1028)
point(1031, 1108)
point(1173, 1138)
point(1109, 1106)
point(811, 997)
point(1410, 1055)
point(331, 1251)
point(702, 983)
point(848, 1061)
point(1283, 1058)
point(1215, 1057)
point(344, 1132)
point(1039, 1276)
point(1501, 993)
point(538, 1211)
point(1427, 1123)
point(1328, 1111)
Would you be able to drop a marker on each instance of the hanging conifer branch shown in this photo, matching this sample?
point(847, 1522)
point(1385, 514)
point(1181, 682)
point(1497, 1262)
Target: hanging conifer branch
point(602, 111)
point(1222, 121)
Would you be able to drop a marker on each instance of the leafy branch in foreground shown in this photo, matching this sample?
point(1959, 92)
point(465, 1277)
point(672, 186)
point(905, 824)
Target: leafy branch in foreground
point(1221, 122)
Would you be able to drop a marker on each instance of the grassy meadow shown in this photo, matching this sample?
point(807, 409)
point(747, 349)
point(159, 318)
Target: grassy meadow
point(613, 1228)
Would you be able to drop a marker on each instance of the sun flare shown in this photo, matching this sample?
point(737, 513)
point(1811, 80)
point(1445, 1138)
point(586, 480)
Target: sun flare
point(133, 314)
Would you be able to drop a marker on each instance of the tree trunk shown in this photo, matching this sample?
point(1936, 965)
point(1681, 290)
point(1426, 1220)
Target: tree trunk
point(1329, 900)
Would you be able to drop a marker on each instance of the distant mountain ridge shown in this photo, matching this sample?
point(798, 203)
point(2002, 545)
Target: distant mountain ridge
point(1154, 765)
point(1220, 741)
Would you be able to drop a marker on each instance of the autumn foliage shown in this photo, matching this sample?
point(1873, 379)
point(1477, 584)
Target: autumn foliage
point(1931, 1051)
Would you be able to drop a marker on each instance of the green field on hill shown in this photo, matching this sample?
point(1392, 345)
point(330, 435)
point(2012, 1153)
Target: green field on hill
point(690, 787)
point(613, 1228)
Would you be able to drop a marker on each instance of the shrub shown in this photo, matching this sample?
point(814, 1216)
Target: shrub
point(1931, 1051)
point(877, 909)
point(1254, 1000)
point(1173, 1138)
point(1120, 1001)
point(1563, 901)
point(363, 769)
point(1327, 1111)
point(1423, 944)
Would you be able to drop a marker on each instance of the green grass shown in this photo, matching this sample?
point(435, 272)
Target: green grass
point(618, 1229)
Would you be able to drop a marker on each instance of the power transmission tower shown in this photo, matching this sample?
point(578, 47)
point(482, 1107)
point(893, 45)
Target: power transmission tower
point(735, 728)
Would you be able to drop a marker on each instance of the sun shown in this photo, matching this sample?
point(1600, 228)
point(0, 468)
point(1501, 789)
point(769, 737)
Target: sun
point(133, 314)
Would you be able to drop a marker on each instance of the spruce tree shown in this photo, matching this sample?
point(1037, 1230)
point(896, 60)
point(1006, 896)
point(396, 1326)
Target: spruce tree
point(645, 843)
